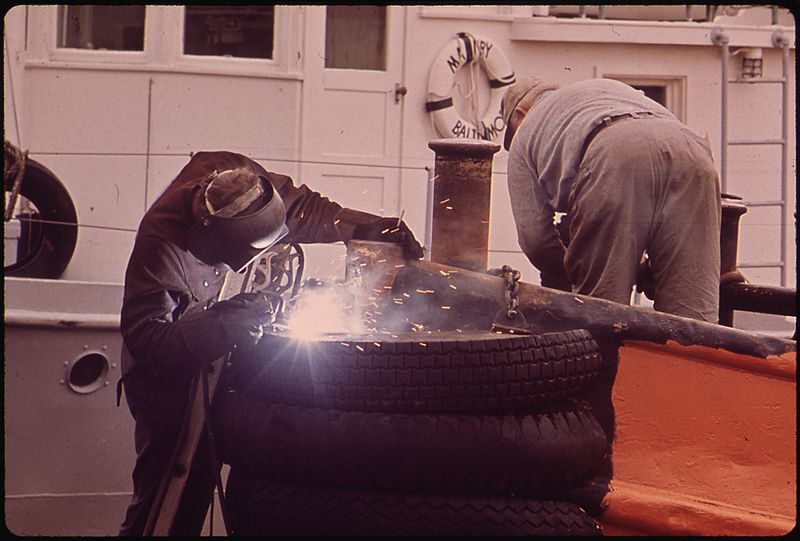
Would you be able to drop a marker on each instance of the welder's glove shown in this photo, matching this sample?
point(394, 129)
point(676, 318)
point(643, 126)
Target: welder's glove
point(235, 323)
point(390, 230)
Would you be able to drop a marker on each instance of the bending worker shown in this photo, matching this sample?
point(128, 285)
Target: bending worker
point(630, 178)
point(221, 212)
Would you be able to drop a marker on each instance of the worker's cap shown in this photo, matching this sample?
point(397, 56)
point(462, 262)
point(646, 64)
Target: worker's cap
point(246, 216)
point(524, 92)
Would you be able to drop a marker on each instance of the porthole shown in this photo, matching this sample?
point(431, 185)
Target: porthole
point(88, 373)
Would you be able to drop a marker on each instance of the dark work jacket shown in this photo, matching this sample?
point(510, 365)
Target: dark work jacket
point(165, 282)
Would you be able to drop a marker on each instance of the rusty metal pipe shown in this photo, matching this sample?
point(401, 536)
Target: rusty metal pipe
point(440, 297)
point(729, 252)
point(729, 234)
point(462, 190)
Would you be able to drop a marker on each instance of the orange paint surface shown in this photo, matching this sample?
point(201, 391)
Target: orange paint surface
point(711, 431)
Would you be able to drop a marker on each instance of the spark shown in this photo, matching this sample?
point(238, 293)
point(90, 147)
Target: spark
point(449, 208)
point(445, 308)
point(336, 221)
point(406, 295)
point(443, 201)
point(359, 348)
point(423, 344)
point(452, 286)
point(377, 344)
point(579, 300)
point(345, 344)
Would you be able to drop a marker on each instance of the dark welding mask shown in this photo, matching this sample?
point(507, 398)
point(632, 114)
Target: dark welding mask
point(244, 228)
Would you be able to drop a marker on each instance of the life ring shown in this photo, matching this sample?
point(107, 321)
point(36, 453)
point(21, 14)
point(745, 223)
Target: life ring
point(462, 51)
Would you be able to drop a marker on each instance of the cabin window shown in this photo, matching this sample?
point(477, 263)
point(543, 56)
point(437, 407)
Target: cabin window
point(235, 31)
point(113, 28)
point(668, 91)
point(355, 37)
point(655, 93)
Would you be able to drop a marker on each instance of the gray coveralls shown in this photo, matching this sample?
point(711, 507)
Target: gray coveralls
point(631, 178)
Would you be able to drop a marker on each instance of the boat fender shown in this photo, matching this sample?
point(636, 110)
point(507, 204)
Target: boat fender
point(462, 51)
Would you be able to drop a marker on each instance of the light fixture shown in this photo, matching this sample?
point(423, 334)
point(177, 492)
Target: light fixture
point(752, 62)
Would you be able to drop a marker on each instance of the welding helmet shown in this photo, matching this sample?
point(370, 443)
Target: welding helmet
point(244, 217)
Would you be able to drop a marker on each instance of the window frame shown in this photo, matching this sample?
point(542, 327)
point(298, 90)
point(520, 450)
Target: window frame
point(674, 89)
point(65, 54)
point(163, 47)
point(224, 63)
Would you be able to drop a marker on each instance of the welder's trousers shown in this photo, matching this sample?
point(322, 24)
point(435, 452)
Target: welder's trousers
point(648, 184)
point(158, 405)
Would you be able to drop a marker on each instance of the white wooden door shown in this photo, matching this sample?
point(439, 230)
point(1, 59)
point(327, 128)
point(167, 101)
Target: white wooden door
point(351, 116)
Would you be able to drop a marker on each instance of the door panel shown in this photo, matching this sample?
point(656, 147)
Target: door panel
point(351, 127)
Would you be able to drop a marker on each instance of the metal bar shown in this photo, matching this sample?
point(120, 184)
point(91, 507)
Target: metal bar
point(774, 203)
point(762, 264)
point(429, 213)
point(719, 37)
point(762, 299)
point(757, 142)
point(779, 39)
point(758, 81)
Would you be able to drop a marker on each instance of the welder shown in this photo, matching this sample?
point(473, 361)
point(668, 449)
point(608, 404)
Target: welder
point(221, 212)
point(629, 178)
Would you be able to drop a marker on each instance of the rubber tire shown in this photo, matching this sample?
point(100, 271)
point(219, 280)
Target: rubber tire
point(52, 254)
point(257, 506)
point(445, 372)
point(466, 454)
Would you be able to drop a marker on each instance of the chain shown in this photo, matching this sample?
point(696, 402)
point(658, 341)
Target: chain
point(511, 277)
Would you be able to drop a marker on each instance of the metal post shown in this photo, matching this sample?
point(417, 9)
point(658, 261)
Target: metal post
point(779, 39)
point(429, 212)
point(462, 194)
point(719, 37)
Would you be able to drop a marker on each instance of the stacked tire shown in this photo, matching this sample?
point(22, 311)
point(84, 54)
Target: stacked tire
point(450, 434)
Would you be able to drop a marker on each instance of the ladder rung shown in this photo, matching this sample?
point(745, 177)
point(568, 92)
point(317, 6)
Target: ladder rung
point(757, 142)
point(757, 81)
point(773, 203)
point(763, 264)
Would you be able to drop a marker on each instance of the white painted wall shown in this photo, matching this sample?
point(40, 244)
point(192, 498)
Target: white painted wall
point(117, 131)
